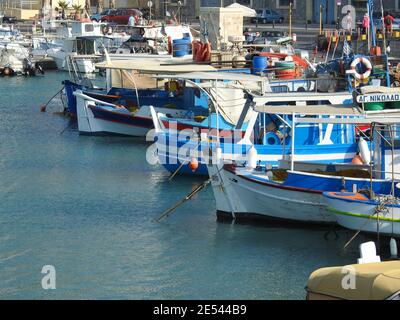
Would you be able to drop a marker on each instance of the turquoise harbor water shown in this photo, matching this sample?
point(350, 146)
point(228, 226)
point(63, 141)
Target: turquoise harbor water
point(86, 206)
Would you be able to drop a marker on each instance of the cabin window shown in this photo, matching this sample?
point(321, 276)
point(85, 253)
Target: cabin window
point(89, 28)
point(281, 88)
point(85, 46)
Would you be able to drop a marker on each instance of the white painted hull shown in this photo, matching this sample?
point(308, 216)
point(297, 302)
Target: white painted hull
point(104, 127)
point(359, 215)
point(128, 124)
point(83, 65)
point(243, 197)
point(88, 124)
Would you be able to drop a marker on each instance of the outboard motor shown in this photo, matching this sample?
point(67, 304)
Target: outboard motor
point(38, 67)
point(30, 68)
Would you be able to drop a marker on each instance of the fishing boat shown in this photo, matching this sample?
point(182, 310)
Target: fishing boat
point(12, 64)
point(236, 127)
point(357, 211)
point(296, 193)
point(156, 41)
point(82, 45)
point(117, 88)
point(271, 133)
point(367, 210)
point(126, 112)
point(129, 84)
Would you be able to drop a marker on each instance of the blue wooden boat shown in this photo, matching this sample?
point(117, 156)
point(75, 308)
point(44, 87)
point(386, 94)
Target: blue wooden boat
point(270, 135)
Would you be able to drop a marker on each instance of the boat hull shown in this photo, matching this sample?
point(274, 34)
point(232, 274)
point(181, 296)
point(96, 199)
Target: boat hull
point(359, 214)
point(171, 153)
point(93, 120)
point(246, 198)
point(106, 120)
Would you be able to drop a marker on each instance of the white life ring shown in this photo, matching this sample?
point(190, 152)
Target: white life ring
point(366, 63)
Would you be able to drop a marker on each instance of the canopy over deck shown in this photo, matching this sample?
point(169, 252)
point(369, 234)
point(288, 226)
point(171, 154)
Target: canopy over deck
point(304, 96)
point(311, 110)
point(344, 114)
point(223, 76)
point(153, 66)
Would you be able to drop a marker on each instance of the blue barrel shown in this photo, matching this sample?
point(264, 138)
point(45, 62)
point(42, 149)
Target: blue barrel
point(181, 47)
point(259, 64)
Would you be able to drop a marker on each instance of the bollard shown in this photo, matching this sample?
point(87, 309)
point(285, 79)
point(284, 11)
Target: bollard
point(273, 24)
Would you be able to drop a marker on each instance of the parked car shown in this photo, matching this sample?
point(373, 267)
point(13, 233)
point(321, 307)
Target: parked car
point(8, 19)
point(121, 16)
point(98, 16)
point(268, 16)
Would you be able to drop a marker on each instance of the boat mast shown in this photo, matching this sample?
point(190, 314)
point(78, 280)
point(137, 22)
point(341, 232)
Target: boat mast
point(371, 22)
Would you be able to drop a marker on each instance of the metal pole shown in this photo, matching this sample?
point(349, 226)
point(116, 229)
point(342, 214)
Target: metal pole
point(383, 29)
point(320, 19)
point(293, 131)
point(290, 19)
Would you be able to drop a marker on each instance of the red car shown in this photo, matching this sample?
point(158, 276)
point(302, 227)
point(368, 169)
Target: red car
point(121, 16)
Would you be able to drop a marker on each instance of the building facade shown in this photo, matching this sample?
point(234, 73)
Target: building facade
point(310, 10)
point(303, 10)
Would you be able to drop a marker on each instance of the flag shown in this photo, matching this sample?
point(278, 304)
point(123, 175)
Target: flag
point(346, 48)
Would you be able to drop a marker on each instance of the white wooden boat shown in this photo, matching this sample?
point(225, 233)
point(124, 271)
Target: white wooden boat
point(245, 192)
point(83, 43)
point(356, 211)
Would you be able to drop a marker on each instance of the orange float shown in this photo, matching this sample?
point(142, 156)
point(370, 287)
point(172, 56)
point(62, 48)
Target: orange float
point(169, 45)
point(193, 164)
point(201, 51)
point(196, 45)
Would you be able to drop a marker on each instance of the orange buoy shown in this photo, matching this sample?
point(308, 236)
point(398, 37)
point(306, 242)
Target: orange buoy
point(193, 164)
point(207, 56)
point(170, 45)
point(357, 160)
point(196, 45)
